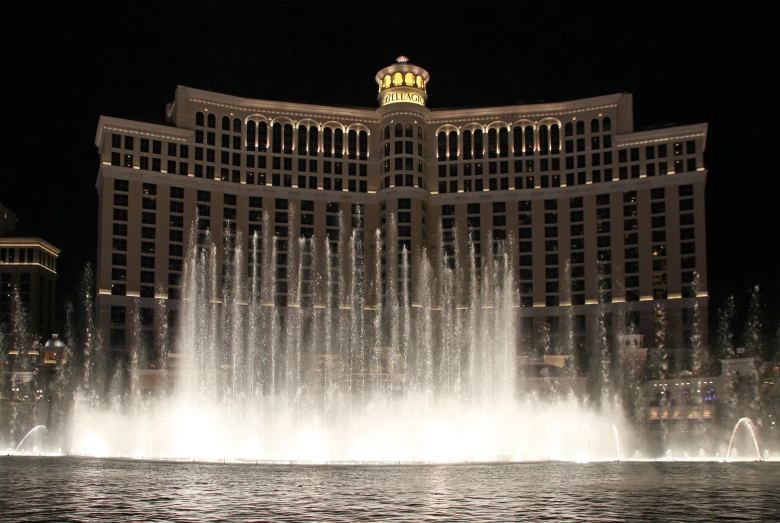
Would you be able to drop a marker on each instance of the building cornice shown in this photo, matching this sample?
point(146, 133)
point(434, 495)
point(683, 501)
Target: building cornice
point(30, 242)
point(570, 192)
point(277, 108)
point(127, 173)
point(293, 193)
point(665, 134)
point(108, 123)
point(516, 112)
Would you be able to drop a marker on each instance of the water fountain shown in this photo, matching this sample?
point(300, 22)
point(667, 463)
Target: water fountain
point(749, 424)
point(348, 369)
point(28, 435)
point(617, 441)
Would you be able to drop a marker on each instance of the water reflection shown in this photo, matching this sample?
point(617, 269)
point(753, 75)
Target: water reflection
point(68, 489)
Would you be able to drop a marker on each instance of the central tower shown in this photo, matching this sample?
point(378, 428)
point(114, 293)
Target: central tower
point(403, 192)
point(402, 82)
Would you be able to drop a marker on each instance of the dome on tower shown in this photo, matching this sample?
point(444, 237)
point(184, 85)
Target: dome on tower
point(55, 341)
point(402, 82)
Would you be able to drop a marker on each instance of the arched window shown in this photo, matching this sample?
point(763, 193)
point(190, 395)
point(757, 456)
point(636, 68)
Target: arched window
point(503, 142)
point(544, 143)
point(387, 81)
point(606, 123)
point(492, 143)
point(387, 132)
point(568, 130)
point(398, 79)
point(399, 130)
point(226, 123)
point(420, 134)
point(302, 136)
point(517, 140)
point(409, 79)
point(479, 148)
point(338, 143)
point(409, 131)
point(363, 145)
point(453, 145)
point(276, 138)
point(314, 140)
point(199, 120)
point(555, 138)
point(467, 145)
point(251, 135)
point(529, 140)
point(442, 146)
point(418, 81)
point(594, 125)
point(327, 142)
point(288, 138)
point(352, 144)
point(236, 125)
point(212, 119)
point(580, 127)
point(262, 137)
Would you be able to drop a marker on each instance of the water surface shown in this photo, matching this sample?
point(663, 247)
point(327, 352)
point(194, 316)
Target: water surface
point(85, 489)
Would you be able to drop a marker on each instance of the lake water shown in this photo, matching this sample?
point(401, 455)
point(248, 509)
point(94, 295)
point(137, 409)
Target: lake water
point(85, 489)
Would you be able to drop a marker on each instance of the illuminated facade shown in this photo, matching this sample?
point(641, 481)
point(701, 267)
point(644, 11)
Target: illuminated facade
point(30, 264)
point(601, 217)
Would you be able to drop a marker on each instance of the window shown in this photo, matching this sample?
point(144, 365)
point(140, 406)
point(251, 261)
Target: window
point(453, 145)
point(120, 229)
point(121, 200)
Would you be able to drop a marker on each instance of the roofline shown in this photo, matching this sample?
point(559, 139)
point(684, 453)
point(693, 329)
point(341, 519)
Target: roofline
point(666, 133)
point(540, 110)
point(29, 242)
point(250, 104)
point(142, 128)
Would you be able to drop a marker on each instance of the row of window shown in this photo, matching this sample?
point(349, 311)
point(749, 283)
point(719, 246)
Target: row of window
point(526, 139)
point(398, 79)
point(27, 255)
point(545, 181)
point(282, 138)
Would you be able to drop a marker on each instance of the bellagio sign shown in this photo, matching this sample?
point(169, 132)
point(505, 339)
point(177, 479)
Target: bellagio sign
point(395, 96)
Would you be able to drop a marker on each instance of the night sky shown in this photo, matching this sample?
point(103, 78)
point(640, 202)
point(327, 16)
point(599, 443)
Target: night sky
point(682, 66)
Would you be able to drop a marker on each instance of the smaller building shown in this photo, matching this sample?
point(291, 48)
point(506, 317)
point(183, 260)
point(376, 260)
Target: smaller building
point(54, 352)
point(29, 370)
point(30, 264)
point(690, 402)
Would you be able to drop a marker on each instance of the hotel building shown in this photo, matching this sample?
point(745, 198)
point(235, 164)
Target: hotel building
point(603, 217)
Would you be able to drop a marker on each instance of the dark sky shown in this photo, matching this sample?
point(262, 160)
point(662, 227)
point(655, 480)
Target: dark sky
point(683, 65)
